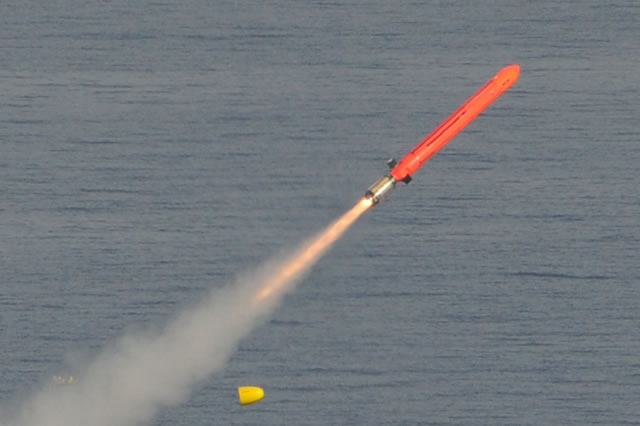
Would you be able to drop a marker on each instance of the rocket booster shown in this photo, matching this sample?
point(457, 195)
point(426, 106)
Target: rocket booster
point(442, 134)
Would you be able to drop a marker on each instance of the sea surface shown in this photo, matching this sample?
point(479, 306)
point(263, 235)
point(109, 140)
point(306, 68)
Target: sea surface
point(153, 150)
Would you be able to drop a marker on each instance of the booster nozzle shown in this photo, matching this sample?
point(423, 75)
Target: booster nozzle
point(380, 189)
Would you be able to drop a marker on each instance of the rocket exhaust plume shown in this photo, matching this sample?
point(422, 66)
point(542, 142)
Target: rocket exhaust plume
point(128, 382)
point(310, 252)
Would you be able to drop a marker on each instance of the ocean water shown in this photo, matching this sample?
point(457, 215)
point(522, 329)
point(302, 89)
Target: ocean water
point(153, 150)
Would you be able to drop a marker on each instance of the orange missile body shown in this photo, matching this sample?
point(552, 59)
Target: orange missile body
point(456, 122)
point(442, 134)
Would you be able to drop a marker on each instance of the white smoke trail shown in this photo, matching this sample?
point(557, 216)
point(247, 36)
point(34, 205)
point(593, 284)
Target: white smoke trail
point(128, 382)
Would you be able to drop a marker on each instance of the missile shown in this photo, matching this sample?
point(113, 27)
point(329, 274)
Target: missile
point(458, 120)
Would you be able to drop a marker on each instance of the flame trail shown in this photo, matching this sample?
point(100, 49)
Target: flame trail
point(308, 254)
point(129, 380)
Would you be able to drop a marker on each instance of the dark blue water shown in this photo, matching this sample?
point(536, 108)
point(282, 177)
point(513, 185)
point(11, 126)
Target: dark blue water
point(152, 150)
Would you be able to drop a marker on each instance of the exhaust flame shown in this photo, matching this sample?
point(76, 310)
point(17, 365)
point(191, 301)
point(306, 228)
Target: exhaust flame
point(308, 254)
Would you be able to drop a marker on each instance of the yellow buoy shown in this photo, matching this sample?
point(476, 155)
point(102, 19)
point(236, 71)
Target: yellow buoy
point(250, 394)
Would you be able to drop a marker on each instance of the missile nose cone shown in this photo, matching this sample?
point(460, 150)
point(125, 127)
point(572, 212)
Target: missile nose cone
point(250, 394)
point(507, 76)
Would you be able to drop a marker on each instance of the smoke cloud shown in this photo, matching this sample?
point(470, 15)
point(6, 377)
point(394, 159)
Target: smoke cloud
point(133, 377)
